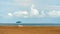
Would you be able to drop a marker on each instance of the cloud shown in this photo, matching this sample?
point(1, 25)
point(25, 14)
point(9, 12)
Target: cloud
point(21, 14)
point(26, 14)
point(54, 13)
point(10, 14)
point(34, 11)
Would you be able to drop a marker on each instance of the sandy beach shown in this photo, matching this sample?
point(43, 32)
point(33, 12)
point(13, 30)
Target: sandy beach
point(30, 30)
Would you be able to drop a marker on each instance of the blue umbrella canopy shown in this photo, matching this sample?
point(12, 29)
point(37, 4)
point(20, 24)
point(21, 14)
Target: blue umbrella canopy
point(18, 22)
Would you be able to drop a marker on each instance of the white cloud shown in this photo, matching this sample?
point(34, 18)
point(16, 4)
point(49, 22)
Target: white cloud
point(34, 11)
point(58, 13)
point(54, 13)
point(10, 14)
point(25, 14)
point(21, 14)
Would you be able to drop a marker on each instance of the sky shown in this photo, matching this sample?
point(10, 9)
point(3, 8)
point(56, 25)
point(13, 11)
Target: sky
point(30, 11)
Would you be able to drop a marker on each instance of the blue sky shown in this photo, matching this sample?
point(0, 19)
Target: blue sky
point(30, 11)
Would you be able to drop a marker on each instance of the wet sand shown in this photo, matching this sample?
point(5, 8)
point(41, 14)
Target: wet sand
point(30, 30)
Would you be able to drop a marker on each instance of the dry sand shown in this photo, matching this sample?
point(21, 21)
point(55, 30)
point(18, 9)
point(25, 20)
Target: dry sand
point(30, 30)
